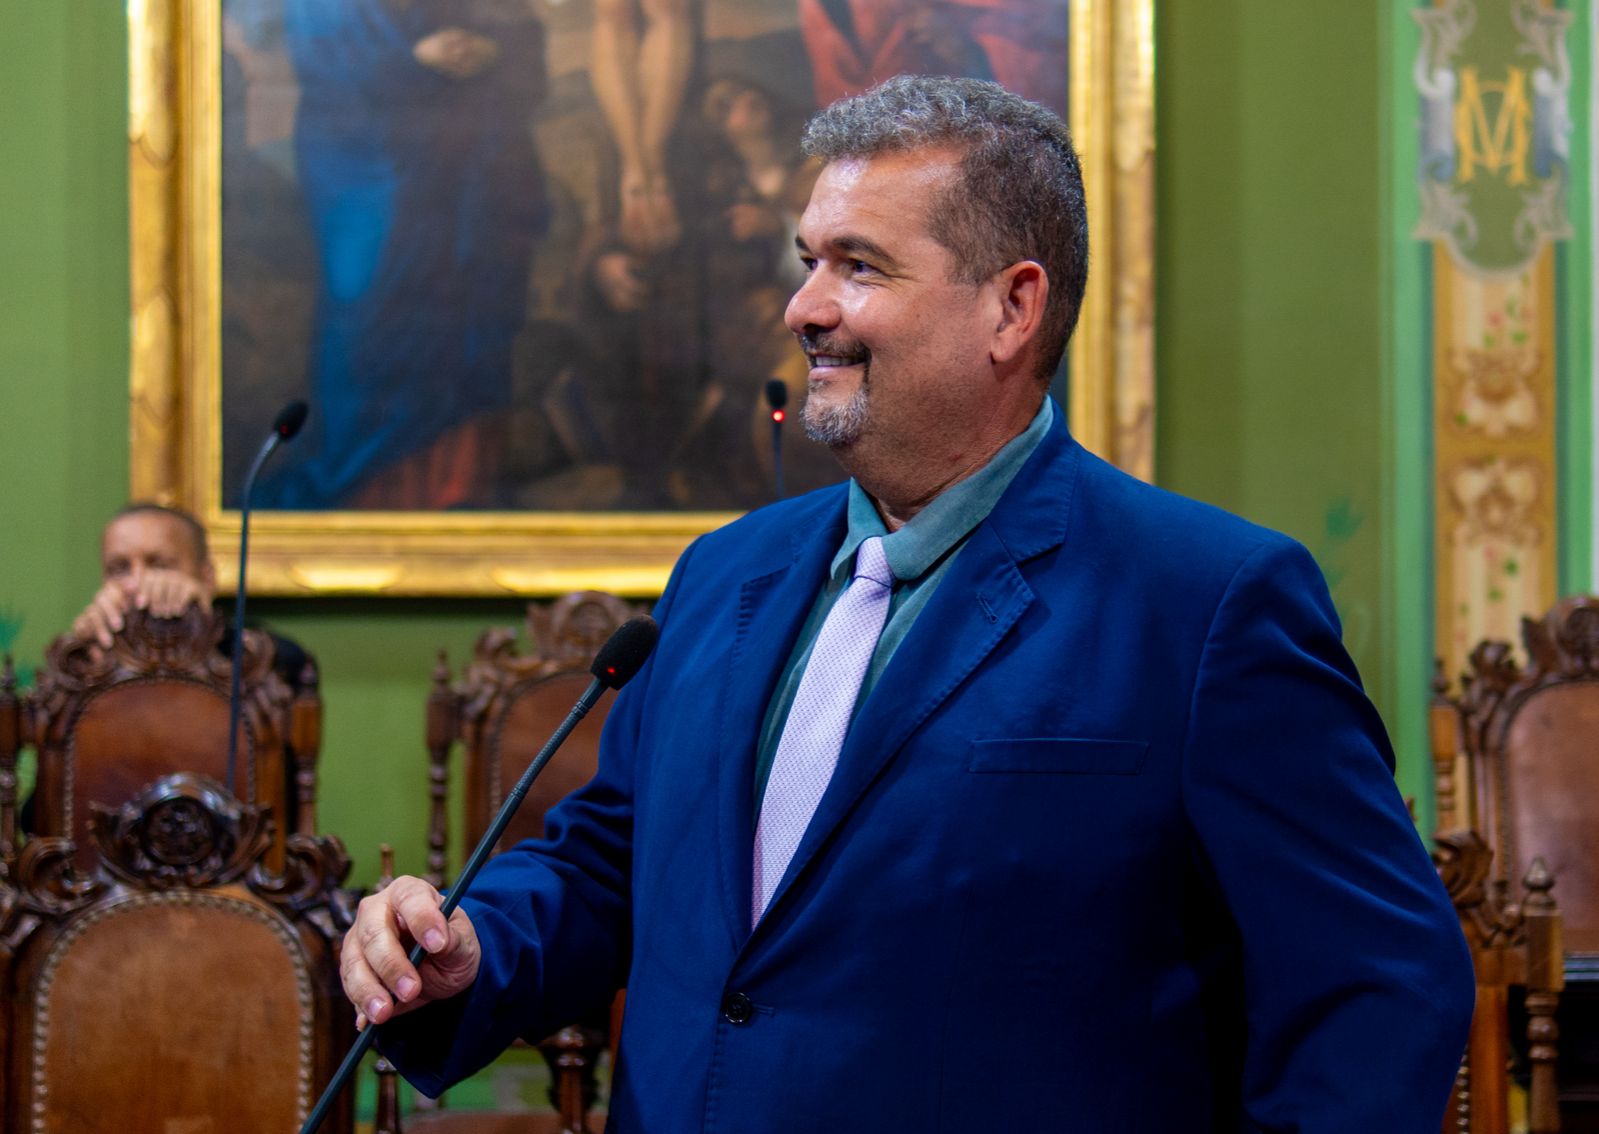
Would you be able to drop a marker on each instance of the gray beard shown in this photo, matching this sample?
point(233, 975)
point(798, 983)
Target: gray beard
point(837, 425)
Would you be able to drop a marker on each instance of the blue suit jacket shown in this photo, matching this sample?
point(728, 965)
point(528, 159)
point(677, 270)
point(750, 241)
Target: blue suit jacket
point(1114, 846)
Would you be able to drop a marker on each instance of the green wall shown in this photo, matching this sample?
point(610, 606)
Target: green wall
point(63, 304)
point(1273, 369)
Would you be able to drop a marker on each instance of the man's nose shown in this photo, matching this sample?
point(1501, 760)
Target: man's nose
point(812, 307)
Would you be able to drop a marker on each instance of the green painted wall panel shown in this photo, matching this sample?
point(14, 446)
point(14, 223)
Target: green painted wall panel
point(1574, 272)
point(63, 303)
point(1271, 359)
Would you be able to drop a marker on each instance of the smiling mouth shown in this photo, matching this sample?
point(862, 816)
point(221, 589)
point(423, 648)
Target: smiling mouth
point(825, 355)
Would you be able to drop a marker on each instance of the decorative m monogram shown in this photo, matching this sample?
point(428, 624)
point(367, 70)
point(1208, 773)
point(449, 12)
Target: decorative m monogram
point(1499, 146)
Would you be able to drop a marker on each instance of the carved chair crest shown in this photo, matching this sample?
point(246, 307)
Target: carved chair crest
point(182, 832)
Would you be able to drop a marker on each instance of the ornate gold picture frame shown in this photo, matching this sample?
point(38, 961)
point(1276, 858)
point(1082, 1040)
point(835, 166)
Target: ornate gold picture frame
point(177, 379)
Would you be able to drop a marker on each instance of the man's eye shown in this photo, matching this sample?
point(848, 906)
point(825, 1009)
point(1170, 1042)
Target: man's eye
point(809, 263)
point(859, 266)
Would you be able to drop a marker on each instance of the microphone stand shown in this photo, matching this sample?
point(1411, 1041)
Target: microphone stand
point(288, 422)
point(605, 677)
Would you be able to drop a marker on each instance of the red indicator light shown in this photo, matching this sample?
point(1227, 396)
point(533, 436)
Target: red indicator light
point(778, 416)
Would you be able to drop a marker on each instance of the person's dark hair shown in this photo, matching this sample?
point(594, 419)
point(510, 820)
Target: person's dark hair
point(1019, 195)
point(196, 530)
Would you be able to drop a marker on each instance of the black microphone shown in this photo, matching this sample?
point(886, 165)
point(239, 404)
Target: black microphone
point(288, 422)
point(622, 656)
point(777, 398)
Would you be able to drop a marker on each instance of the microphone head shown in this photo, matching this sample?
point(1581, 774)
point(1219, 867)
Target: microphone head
point(289, 420)
point(776, 393)
point(625, 651)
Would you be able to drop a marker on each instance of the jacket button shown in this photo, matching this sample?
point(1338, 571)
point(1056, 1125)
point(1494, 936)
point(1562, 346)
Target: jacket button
point(737, 1008)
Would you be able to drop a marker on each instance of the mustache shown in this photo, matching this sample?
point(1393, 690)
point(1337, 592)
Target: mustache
point(833, 345)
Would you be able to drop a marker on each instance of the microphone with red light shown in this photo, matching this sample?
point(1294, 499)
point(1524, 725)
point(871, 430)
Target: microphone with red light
point(777, 398)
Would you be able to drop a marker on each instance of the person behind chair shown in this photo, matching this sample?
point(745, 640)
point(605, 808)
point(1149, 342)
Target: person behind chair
point(158, 559)
point(152, 558)
point(993, 789)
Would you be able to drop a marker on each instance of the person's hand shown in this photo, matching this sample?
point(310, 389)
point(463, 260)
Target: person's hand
point(377, 976)
point(103, 616)
point(164, 593)
point(616, 275)
point(167, 594)
point(456, 52)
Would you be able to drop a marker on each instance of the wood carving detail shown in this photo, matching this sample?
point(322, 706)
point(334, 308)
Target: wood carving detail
point(314, 870)
point(562, 635)
point(1565, 642)
point(47, 886)
point(183, 830)
point(186, 647)
point(1488, 915)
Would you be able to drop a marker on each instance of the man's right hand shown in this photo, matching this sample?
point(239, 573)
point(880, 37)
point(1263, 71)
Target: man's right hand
point(378, 978)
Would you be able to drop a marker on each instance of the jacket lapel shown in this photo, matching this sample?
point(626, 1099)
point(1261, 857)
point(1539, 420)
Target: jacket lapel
point(976, 604)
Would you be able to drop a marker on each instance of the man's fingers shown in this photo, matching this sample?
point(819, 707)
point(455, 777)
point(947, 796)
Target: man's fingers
point(416, 908)
point(102, 618)
point(361, 983)
point(377, 974)
point(92, 624)
point(167, 594)
point(384, 954)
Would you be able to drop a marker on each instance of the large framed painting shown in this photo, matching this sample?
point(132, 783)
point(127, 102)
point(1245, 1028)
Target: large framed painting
point(527, 261)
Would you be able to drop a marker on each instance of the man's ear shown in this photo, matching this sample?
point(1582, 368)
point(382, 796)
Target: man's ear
point(1022, 289)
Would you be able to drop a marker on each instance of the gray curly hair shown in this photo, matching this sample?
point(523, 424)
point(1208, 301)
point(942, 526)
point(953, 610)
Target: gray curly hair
point(1019, 194)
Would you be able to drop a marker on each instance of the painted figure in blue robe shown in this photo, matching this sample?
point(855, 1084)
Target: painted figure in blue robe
point(414, 152)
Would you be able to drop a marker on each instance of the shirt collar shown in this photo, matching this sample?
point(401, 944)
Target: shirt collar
point(949, 516)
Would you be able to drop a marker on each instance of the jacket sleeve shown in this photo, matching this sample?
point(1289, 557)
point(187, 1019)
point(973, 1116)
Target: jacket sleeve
point(553, 917)
point(1358, 985)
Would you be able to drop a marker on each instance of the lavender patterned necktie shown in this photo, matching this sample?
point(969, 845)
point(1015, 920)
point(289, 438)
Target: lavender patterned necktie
point(819, 718)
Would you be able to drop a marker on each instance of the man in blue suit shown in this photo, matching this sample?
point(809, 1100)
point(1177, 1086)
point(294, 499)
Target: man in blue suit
point(1111, 843)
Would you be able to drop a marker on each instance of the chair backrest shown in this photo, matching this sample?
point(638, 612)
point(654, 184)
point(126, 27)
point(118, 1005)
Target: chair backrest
point(506, 706)
point(179, 985)
point(106, 722)
point(1517, 759)
point(1514, 936)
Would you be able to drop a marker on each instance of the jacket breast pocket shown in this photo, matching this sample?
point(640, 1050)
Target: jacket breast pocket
point(1059, 755)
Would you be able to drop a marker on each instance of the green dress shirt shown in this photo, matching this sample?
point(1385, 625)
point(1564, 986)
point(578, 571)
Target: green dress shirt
point(919, 554)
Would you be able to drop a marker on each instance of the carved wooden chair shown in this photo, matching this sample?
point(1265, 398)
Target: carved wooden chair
point(1516, 759)
point(1514, 944)
point(178, 985)
point(10, 744)
point(106, 722)
point(498, 716)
